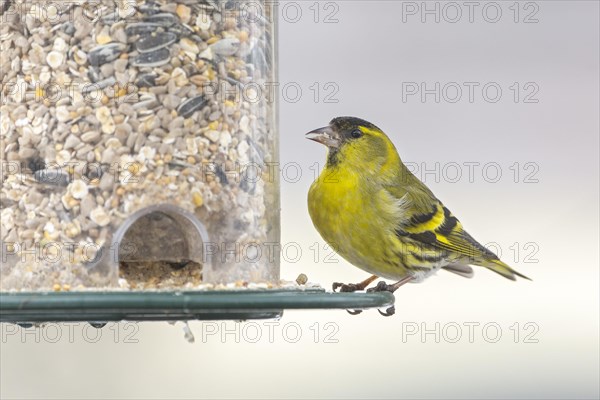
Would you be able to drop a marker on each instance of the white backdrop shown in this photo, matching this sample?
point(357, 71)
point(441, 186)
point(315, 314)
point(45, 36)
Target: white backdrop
point(516, 159)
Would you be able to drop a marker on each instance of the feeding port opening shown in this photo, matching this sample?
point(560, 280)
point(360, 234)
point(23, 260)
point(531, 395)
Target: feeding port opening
point(160, 247)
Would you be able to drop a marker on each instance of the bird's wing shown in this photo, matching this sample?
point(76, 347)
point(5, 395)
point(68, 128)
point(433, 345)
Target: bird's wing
point(427, 221)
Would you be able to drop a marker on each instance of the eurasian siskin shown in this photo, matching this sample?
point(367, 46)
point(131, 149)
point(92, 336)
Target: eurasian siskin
point(377, 215)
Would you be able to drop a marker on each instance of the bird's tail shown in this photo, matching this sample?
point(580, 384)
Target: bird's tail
point(460, 269)
point(501, 268)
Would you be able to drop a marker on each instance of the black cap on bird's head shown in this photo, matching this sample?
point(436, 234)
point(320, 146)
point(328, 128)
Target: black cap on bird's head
point(341, 130)
point(357, 143)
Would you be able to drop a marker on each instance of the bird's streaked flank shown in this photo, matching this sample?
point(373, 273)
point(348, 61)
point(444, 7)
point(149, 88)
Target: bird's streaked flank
point(377, 215)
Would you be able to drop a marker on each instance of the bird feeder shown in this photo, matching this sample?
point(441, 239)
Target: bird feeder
point(140, 158)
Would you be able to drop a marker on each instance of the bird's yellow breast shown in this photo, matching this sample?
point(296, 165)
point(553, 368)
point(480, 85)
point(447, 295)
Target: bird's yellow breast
point(358, 219)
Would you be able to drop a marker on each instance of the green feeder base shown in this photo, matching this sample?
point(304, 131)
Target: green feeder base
point(97, 307)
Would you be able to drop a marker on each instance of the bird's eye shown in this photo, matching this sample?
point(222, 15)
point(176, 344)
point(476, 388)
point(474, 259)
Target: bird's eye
point(356, 133)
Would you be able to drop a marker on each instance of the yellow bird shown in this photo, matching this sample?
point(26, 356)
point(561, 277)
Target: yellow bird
point(378, 216)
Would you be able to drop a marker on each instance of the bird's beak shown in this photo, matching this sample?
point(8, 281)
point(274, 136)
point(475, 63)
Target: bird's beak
point(326, 136)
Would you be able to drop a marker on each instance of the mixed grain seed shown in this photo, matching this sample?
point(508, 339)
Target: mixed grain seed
point(105, 111)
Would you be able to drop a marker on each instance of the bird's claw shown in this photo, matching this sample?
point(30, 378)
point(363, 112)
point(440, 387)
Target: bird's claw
point(388, 312)
point(344, 287)
point(353, 287)
point(381, 287)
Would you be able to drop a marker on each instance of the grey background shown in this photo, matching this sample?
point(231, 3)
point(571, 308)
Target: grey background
point(368, 54)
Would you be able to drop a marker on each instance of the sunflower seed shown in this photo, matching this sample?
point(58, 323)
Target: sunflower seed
point(94, 74)
point(146, 80)
point(181, 30)
point(226, 47)
point(106, 53)
point(141, 28)
point(149, 8)
point(154, 42)
point(52, 177)
point(163, 19)
point(98, 85)
point(110, 18)
point(68, 28)
point(154, 59)
point(146, 105)
point(189, 107)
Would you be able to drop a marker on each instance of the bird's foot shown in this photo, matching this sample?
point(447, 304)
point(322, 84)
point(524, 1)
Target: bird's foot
point(388, 312)
point(345, 287)
point(352, 287)
point(354, 312)
point(382, 287)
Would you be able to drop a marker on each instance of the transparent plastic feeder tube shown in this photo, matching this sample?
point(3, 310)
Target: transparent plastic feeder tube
point(137, 131)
